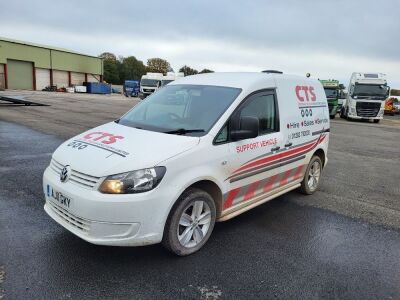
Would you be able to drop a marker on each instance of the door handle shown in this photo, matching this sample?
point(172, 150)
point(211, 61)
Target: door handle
point(275, 148)
point(288, 144)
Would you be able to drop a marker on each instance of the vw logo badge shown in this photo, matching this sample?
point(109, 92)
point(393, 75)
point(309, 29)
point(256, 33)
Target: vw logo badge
point(65, 174)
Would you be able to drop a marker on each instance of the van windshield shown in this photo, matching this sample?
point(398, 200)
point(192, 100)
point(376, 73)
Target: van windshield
point(181, 109)
point(149, 82)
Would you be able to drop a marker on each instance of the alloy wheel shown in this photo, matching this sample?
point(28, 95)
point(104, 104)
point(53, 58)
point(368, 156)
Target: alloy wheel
point(194, 223)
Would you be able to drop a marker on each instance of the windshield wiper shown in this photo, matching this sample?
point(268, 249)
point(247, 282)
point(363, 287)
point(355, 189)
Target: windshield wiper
point(184, 131)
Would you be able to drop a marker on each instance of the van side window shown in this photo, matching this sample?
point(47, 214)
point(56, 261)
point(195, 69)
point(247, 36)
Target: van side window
point(222, 136)
point(262, 107)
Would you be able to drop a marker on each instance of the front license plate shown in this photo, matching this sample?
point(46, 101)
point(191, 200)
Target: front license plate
point(58, 196)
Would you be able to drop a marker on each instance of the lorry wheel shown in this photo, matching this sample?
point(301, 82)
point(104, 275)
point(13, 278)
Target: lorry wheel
point(190, 222)
point(342, 113)
point(376, 121)
point(332, 116)
point(312, 176)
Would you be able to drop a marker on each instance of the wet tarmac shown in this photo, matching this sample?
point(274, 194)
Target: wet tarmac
point(279, 250)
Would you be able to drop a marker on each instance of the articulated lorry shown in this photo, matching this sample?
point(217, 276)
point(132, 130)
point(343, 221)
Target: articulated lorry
point(366, 97)
point(151, 82)
point(331, 88)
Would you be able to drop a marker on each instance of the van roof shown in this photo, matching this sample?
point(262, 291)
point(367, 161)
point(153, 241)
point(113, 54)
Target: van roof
point(243, 80)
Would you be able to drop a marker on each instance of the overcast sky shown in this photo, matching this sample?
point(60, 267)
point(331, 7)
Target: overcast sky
point(329, 39)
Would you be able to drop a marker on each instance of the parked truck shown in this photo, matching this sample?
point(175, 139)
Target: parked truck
point(331, 88)
point(366, 97)
point(149, 83)
point(131, 88)
point(171, 76)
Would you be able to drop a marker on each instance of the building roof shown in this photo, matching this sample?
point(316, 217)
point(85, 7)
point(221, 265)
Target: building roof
point(44, 46)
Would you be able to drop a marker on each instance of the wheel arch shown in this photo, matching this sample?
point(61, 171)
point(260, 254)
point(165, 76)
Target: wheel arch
point(321, 154)
point(211, 188)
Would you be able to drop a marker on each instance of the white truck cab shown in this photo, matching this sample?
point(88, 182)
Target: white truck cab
point(366, 97)
point(171, 76)
point(203, 149)
point(149, 83)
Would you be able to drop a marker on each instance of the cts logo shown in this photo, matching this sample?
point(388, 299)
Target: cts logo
point(305, 93)
point(103, 137)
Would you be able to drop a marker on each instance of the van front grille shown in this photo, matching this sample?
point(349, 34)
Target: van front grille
point(79, 223)
point(78, 178)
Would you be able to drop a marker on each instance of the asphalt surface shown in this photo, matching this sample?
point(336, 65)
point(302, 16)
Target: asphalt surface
point(278, 250)
point(342, 242)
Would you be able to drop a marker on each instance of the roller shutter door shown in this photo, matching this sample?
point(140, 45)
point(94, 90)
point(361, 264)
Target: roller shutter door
point(20, 74)
point(2, 77)
point(93, 78)
point(60, 78)
point(77, 78)
point(42, 78)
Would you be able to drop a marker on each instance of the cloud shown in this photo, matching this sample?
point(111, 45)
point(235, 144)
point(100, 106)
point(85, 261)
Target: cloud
point(325, 38)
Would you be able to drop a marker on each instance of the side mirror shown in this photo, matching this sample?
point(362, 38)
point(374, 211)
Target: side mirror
point(248, 129)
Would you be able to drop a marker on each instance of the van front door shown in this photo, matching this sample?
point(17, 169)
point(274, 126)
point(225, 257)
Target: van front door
point(254, 163)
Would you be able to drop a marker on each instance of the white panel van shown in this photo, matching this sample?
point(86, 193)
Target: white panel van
point(203, 149)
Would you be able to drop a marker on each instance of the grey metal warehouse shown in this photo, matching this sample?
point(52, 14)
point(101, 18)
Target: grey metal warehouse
point(31, 66)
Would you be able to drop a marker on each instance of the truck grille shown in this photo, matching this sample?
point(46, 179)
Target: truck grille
point(78, 178)
point(79, 223)
point(367, 109)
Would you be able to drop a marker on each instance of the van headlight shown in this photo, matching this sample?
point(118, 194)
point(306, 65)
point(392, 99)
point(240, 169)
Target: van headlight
point(138, 181)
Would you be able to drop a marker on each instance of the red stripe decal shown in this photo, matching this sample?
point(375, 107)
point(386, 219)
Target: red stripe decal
point(250, 192)
point(277, 156)
point(269, 184)
point(285, 177)
point(231, 196)
point(298, 172)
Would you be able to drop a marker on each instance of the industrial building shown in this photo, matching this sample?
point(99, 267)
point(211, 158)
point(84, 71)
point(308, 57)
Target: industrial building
point(29, 66)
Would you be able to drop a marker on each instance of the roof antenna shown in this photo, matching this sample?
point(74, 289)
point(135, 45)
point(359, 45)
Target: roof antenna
point(272, 71)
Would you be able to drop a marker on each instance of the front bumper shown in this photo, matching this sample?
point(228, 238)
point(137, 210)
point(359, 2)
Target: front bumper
point(355, 117)
point(115, 220)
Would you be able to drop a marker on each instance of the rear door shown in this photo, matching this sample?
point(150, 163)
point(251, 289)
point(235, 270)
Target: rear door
point(254, 163)
point(304, 122)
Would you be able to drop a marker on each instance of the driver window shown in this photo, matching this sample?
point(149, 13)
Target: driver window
point(263, 107)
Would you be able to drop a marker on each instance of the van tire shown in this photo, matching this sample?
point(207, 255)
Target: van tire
point(186, 201)
point(376, 121)
point(305, 188)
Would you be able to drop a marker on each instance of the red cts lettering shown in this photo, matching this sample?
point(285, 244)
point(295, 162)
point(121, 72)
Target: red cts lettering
point(103, 137)
point(90, 135)
point(311, 90)
point(298, 89)
point(307, 91)
point(113, 139)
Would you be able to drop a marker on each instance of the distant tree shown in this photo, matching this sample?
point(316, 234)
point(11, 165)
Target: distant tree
point(206, 71)
point(131, 68)
point(188, 70)
point(108, 55)
point(111, 67)
point(158, 65)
